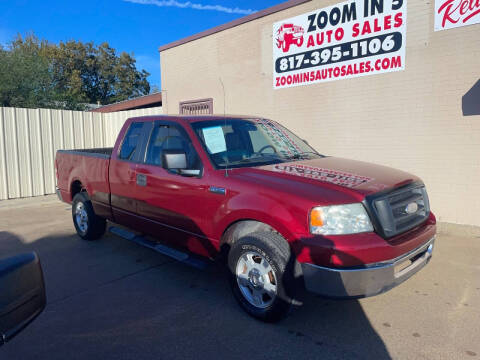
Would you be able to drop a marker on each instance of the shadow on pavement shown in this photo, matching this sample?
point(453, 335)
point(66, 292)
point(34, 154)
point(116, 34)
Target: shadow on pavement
point(113, 299)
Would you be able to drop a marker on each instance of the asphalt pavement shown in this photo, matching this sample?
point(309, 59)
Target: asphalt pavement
point(113, 299)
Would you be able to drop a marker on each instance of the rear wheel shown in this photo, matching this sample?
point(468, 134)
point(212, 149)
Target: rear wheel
point(88, 225)
point(261, 275)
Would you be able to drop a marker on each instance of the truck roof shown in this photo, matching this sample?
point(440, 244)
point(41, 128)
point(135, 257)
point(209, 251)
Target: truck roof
point(190, 118)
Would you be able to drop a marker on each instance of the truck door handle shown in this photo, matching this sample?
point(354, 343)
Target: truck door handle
point(217, 190)
point(141, 180)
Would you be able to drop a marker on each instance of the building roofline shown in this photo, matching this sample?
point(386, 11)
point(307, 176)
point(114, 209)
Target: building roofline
point(237, 22)
point(130, 104)
point(193, 118)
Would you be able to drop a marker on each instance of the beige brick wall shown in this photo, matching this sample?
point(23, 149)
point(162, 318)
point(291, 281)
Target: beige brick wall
point(411, 120)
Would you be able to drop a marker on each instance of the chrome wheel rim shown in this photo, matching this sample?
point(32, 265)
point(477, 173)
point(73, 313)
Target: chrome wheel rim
point(256, 279)
point(81, 217)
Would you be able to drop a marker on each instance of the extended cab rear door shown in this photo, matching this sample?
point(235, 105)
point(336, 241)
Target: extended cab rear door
point(123, 175)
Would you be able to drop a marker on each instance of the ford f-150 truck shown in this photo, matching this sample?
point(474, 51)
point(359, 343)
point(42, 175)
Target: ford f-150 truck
point(282, 216)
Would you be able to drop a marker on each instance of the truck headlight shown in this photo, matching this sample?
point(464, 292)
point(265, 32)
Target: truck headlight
point(339, 219)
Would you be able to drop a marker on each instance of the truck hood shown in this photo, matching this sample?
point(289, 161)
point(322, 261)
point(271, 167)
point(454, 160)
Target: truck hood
point(354, 178)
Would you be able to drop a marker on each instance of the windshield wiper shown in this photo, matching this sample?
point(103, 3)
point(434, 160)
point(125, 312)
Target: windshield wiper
point(300, 155)
point(266, 157)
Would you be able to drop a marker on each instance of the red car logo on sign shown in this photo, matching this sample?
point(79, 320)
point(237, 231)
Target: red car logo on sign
point(289, 34)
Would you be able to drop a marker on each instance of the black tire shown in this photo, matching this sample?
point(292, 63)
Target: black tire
point(276, 251)
point(95, 225)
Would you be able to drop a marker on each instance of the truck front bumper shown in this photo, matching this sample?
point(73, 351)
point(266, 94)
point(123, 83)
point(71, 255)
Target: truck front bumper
point(372, 279)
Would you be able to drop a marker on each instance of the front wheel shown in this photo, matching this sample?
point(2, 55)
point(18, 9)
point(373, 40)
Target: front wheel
point(262, 276)
point(88, 225)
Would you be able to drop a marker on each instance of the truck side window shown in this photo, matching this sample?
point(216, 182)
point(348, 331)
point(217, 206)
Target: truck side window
point(170, 137)
point(131, 141)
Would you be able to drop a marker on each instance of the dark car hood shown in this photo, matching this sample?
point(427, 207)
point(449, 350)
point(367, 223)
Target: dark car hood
point(351, 177)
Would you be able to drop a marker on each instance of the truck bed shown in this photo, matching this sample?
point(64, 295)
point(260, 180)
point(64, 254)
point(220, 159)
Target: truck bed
point(95, 152)
point(87, 166)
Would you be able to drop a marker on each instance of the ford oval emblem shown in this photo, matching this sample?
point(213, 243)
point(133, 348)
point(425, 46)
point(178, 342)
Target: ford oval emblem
point(411, 208)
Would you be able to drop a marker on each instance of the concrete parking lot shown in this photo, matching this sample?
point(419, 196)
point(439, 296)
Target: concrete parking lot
point(113, 299)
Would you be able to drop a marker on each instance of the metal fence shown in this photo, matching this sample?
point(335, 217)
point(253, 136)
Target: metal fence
point(29, 139)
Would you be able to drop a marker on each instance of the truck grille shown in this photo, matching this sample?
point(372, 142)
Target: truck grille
point(400, 210)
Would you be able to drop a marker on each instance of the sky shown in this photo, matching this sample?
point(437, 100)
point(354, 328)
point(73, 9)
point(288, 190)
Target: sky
point(134, 26)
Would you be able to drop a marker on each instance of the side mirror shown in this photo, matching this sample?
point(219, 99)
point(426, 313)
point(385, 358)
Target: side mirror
point(177, 160)
point(22, 294)
point(174, 159)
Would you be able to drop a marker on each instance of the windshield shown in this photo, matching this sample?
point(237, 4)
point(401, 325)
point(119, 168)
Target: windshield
point(252, 142)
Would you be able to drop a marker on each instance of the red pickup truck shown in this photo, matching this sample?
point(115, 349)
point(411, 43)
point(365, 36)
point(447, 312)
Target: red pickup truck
point(246, 190)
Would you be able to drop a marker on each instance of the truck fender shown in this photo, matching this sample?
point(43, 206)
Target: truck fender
point(242, 228)
point(262, 209)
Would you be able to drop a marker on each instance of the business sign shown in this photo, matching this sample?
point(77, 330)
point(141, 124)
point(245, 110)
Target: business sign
point(346, 40)
point(455, 13)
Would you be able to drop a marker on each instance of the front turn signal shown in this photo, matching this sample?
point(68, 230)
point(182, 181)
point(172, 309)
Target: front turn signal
point(316, 217)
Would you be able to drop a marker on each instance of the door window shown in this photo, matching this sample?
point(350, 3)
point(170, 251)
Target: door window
point(171, 137)
point(131, 142)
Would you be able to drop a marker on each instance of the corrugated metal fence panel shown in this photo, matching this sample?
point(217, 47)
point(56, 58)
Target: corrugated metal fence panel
point(37, 166)
point(3, 160)
point(11, 150)
point(113, 124)
point(24, 153)
point(48, 150)
point(29, 139)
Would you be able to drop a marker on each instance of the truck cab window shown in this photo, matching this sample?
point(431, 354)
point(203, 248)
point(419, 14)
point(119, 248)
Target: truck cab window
point(131, 141)
point(170, 137)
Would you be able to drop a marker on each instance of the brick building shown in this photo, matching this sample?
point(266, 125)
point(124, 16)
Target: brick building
point(422, 117)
